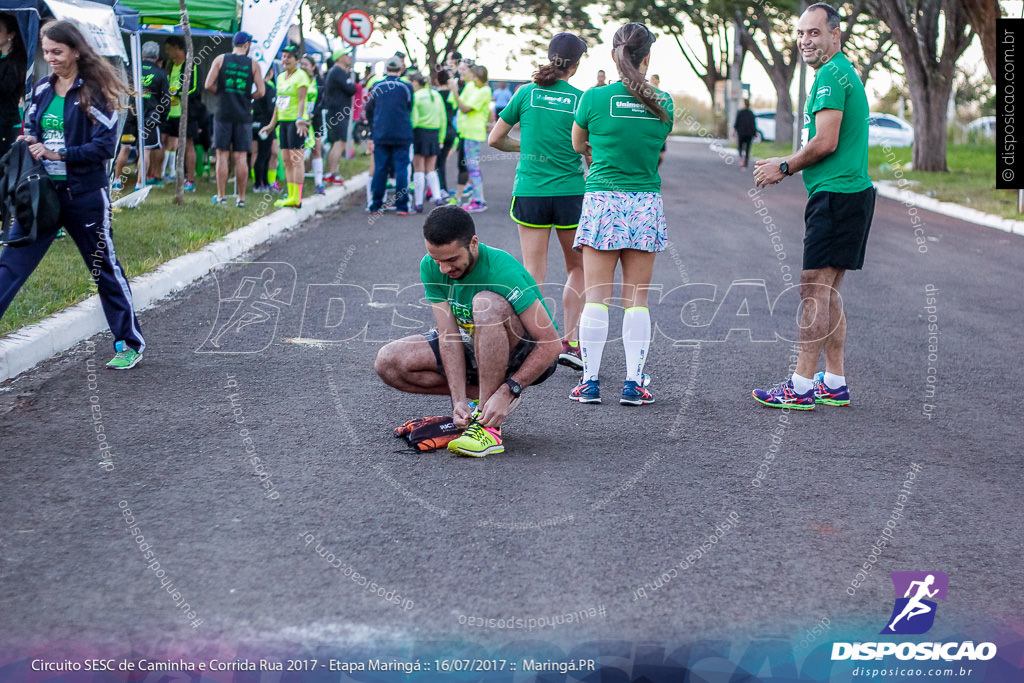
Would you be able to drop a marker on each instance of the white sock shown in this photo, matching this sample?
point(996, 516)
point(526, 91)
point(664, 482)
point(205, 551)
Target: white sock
point(834, 381)
point(636, 338)
point(434, 183)
point(318, 171)
point(418, 183)
point(369, 194)
point(593, 335)
point(801, 384)
point(169, 160)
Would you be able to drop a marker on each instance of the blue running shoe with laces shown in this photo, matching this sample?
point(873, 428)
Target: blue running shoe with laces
point(636, 394)
point(783, 396)
point(587, 392)
point(828, 396)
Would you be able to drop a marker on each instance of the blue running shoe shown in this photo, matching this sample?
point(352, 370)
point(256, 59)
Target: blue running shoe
point(827, 396)
point(636, 394)
point(783, 396)
point(587, 392)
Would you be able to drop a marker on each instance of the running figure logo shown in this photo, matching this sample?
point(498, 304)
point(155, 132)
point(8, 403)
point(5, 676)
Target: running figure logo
point(914, 612)
point(247, 318)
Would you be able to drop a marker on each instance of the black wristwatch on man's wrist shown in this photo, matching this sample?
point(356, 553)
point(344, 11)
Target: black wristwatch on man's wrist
point(784, 167)
point(514, 387)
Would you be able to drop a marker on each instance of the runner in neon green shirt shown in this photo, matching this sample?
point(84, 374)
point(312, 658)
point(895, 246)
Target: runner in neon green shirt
point(428, 131)
point(293, 126)
point(474, 105)
point(548, 190)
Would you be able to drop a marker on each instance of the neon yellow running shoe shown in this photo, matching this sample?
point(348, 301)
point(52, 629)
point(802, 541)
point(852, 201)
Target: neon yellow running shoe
point(477, 441)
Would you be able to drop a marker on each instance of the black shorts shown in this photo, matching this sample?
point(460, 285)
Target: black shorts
point(171, 128)
point(515, 359)
point(337, 129)
point(131, 131)
point(288, 136)
point(229, 135)
point(562, 213)
point(425, 142)
point(837, 225)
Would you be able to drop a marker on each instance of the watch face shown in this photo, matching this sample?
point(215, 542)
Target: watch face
point(514, 387)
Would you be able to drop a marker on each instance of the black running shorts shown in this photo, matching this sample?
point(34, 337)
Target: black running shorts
point(547, 212)
point(288, 136)
point(515, 359)
point(837, 226)
point(228, 136)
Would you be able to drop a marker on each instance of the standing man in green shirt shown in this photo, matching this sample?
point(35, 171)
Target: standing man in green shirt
point(841, 203)
point(175, 46)
point(494, 335)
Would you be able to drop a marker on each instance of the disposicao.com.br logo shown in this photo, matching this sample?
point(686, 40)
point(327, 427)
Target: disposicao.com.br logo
point(914, 613)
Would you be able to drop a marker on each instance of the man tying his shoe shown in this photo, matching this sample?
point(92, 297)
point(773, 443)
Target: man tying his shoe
point(494, 335)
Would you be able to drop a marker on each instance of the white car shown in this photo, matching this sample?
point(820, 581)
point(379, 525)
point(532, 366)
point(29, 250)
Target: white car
point(889, 131)
point(984, 127)
point(765, 124)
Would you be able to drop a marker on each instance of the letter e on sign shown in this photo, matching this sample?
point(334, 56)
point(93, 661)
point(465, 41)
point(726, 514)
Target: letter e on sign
point(355, 27)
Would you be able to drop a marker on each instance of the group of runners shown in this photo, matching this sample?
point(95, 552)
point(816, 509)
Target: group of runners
point(494, 334)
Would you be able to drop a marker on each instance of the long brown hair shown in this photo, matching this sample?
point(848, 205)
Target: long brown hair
point(631, 44)
point(101, 86)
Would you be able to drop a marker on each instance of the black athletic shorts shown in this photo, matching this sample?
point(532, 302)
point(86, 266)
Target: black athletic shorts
point(562, 213)
point(337, 129)
point(515, 359)
point(288, 136)
point(131, 130)
point(837, 226)
point(425, 142)
point(228, 135)
point(171, 128)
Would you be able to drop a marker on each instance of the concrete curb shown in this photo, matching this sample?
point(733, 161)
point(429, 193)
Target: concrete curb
point(23, 349)
point(890, 190)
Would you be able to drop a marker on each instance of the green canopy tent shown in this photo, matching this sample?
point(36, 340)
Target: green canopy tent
point(217, 15)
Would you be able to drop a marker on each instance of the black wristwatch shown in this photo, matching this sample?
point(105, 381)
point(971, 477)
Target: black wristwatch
point(63, 154)
point(784, 167)
point(515, 387)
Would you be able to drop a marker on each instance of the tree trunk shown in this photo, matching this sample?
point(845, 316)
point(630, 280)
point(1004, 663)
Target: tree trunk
point(982, 15)
point(186, 85)
point(930, 126)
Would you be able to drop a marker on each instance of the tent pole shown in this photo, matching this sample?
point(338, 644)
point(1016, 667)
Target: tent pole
point(140, 114)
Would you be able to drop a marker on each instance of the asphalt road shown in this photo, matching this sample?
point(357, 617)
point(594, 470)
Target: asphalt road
point(595, 511)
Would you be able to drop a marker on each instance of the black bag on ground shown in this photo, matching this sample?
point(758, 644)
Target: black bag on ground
point(27, 196)
point(429, 433)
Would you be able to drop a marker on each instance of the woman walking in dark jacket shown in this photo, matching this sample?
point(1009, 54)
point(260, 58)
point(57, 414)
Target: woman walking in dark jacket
point(72, 127)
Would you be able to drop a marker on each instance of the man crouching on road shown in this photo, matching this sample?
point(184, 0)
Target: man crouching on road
point(494, 334)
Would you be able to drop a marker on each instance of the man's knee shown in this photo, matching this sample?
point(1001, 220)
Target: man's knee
point(490, 308)
point(387, 364)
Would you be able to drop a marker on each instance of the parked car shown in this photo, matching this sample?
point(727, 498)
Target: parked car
point(765, 124)
point(889, 130)
point(985, 127)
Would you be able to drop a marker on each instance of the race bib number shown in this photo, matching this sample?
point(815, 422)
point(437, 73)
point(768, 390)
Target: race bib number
point(283, 101)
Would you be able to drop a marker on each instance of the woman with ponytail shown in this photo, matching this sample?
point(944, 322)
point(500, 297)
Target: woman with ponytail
point(548, 190)
point(621, 128)
point(428, 132)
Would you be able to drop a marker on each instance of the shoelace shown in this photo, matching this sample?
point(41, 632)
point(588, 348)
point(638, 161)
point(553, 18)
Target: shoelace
point(475, 430)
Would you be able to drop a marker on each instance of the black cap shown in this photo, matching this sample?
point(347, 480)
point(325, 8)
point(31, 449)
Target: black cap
point(565, 49)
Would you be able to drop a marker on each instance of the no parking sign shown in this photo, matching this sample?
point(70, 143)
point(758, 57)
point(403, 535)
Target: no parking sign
point(355, 27)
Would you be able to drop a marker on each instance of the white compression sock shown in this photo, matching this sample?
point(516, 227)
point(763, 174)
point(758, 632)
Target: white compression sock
point(169, 160)
point(418, 183)
point(636, 338)
point(318, 171)
point(434, 183)
point(593, 335)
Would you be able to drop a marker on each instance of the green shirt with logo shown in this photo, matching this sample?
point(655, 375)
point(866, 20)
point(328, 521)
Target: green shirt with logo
point(495, 271)
point(473, 125)
point(625, 139)
point(288, 105)
point(175, 79)
point(548, 165)
point(52, 125)
point(837, 86)
point(428, 110)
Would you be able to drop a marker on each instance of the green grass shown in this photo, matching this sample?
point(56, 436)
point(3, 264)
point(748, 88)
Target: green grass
point(971, 180)
point(145, 238)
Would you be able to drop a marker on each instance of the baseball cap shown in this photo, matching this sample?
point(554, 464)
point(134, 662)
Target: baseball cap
point(341, 52)
point(293, 50)
point(241, 38)
point(393, 64)
point(566, 48)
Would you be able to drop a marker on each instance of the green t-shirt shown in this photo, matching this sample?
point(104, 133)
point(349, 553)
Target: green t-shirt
point(311, 94)
point(837, 86)
point(548, 165)
point(473, 126)
point(625, 139)
point(288, 94)
point(52, 125)
point(427, 109)
point(174, 80)
point(495, 271)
